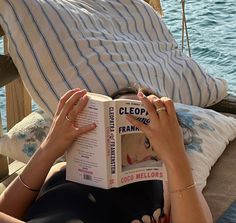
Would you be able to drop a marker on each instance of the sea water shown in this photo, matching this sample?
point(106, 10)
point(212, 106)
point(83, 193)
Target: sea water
point(212, 34)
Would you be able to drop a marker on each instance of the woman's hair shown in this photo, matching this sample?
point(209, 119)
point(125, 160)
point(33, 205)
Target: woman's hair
point(132, 89)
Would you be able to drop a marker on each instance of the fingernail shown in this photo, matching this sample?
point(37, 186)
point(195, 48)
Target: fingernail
point(141, 95)
point(85, 96)
point(93, 125)
point(155, 99)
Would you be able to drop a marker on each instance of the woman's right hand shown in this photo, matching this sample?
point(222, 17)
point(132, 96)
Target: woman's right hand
point(63, 130)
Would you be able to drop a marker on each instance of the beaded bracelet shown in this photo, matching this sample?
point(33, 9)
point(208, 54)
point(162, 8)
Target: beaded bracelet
point(183, 189)
point(25, 185)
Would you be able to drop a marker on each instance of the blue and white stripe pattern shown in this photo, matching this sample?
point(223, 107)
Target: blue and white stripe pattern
point(100, 45)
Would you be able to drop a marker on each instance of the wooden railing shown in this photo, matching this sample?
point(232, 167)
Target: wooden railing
point(18, 105)
point(3, 160)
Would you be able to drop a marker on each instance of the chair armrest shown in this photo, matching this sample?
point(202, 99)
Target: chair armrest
point(227, 105)
point(8, 71)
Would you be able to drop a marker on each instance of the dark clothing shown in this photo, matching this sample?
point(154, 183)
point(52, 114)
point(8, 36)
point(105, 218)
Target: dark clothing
point(63, 201)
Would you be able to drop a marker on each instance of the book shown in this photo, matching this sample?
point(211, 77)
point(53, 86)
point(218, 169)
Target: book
point(116, 153)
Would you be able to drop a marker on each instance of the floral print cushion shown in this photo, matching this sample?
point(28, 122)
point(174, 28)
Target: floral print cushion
point(25, 137)
point(206, 135)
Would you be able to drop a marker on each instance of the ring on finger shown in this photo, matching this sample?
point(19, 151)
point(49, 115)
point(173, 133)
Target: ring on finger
point(68, 119)
point(158, 110)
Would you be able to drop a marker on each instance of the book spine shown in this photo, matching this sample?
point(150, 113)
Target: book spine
point(107, 137)
point(112, 145)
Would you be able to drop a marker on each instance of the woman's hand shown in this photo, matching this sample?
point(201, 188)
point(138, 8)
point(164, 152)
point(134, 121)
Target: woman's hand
point(166, 137)
point(60, 137)
point(63, 130)
point(163, 132)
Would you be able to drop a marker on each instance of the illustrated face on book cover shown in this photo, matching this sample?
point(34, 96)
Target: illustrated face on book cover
point(136, 148)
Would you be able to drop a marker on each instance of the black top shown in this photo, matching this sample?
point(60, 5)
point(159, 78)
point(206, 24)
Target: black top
point(63, 201)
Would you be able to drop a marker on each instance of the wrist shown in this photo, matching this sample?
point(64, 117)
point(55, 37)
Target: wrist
point(175, 161)
point(45, 154)
point(179, 173)
point(178, 166)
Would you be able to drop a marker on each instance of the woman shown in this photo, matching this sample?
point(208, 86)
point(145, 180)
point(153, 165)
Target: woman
point(61, 201)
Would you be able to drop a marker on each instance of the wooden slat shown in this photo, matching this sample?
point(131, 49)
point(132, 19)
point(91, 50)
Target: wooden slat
point(8, 71)
point(3, 160)
point(1, 32)
point(156, 4)
point(227, 105)
point(4, 170)
point(3, 167)
point(18, 101)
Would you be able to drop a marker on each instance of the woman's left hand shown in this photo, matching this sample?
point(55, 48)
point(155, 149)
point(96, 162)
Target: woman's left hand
point(63, 130)
point(163, 131)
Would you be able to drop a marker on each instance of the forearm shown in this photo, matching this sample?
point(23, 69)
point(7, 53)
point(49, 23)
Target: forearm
point(188, 205)
point(16, 199)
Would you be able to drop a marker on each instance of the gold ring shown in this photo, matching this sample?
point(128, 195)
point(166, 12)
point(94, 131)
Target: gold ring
point(160, 109)
point(67, 118)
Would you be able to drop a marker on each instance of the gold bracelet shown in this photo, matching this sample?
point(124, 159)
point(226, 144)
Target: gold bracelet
point(183, 189)
point(28, 187)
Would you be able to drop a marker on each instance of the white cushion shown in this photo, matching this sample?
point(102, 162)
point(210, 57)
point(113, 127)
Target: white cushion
point(100, 45)
point(206, 135)
point(21, 141)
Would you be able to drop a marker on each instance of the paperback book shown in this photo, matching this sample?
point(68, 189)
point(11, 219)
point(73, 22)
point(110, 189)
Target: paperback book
point(116, 153)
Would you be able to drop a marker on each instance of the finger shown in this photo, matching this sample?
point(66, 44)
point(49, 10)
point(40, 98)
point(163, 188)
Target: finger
point(71, 102)
point(164, 219)
point(170, 108)
point(148, 105)
point(151, 97)
point(146, 219)
point(144, 128)
point(160, 107)
point(156, 214)
point(136, 221)
point(85, 129)
point(64, 98)
point(72, 115)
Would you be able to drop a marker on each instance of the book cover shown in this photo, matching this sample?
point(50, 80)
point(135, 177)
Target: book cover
point(116, 153)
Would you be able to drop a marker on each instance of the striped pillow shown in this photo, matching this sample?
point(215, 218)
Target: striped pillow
point(100, 45)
